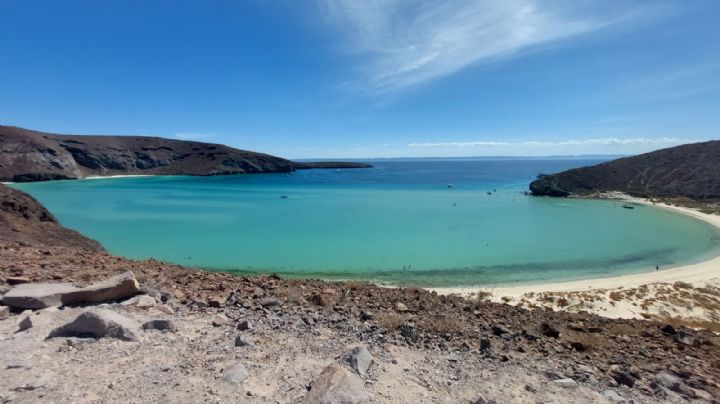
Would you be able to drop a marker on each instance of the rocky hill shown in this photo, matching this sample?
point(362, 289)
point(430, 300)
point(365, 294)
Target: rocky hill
point(27, 155)
point(24, 220)
point(691, 171)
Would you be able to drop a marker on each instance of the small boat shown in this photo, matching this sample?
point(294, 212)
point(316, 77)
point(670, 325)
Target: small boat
point(450, 185)
point(628, 207)
point(489, 193)
point(284, 197)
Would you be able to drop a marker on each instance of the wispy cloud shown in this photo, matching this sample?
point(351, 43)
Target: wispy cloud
point(610, 141)
point(411, 42)
point(681, 82)
point(193, 136)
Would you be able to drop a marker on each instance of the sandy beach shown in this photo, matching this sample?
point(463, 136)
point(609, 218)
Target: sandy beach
point(645, 295)
point(103, 177)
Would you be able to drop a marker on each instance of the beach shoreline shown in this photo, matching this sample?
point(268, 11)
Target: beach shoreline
point(599, 291)
point(697, 272)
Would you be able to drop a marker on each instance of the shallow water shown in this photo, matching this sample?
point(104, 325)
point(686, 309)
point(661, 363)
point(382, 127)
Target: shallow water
point(397, 223)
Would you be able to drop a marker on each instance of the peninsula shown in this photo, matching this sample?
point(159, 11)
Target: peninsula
point(27, 155)
point(686, 171)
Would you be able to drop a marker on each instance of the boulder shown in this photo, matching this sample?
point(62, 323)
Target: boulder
point(99, 323)
point(40, 295)
point(116, 288)
point(335, 385)
point(360, 359)
point(244, 325)
point(235, 373)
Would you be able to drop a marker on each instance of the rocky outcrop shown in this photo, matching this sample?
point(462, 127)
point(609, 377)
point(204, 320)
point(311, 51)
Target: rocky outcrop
point(691, 170)
point(23, 220)
point(99, 323)
point(41, 295)
point(337, 385)
point(27, 155)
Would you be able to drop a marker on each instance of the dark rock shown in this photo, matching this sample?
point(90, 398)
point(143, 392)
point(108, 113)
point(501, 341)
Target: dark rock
point(215, 302)
point(244, 325)
point(579, 346)
point(549, 330)
point(622, 377)
point(17, 280)
point(26, 323)
point(668, 329)
point(240, 340)
point(410, 332)
point(160, 325)
point(99, 323)
point(485, 344)
point(499, 329)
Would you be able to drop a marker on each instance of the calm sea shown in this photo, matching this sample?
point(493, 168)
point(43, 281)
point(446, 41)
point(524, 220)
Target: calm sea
point(397, 223)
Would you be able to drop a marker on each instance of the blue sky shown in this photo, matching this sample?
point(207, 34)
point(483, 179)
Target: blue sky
point(348, 78)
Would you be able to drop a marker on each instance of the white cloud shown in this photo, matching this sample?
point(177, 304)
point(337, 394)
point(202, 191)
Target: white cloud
point(193, 136)
point(610, 141)
point(411, 42)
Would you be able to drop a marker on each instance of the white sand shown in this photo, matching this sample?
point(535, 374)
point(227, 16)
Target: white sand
point(102, 177)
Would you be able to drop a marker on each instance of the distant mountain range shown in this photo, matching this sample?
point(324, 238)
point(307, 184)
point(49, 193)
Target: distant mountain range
point(27, 155)
point(691, 170)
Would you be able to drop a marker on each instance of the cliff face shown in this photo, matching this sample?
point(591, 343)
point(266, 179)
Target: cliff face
point(27, 155)
point(24, 220)
point(691, 170)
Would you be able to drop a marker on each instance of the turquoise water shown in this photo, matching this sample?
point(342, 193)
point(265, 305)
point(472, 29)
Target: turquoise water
point(397, 223)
